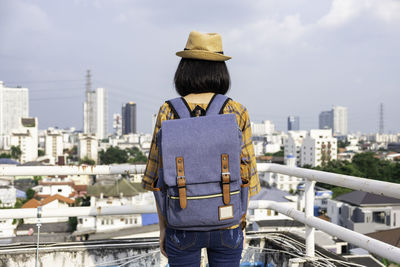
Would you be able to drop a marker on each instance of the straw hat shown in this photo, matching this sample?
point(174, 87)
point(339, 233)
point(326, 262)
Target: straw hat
point(205, 46)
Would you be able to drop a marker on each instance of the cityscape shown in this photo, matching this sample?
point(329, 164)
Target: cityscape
point(81, 83)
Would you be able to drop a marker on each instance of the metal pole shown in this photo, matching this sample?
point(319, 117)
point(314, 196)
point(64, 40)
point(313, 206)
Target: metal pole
point(39, 215)
point(309, 212)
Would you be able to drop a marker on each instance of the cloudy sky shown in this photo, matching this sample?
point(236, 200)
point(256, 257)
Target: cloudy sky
point(295, 57)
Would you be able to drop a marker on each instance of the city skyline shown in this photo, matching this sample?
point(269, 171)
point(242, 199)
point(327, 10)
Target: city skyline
point(288, 58)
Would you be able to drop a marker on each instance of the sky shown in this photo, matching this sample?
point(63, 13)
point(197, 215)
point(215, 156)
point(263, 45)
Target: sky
point(289, 57)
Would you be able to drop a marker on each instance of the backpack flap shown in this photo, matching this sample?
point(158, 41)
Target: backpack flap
point(201, 142)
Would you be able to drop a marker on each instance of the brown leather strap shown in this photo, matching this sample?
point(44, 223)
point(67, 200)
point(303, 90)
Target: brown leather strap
point(226, 178)
point(181, 182)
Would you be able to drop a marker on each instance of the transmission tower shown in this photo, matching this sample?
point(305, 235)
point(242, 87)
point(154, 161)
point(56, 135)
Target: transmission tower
point(88, 124)
point(381, 126)
point(88, 81)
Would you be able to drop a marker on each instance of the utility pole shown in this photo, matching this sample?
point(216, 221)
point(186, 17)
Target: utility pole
point(38, 224)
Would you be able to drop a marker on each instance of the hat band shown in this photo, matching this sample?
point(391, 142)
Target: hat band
point(208, 51)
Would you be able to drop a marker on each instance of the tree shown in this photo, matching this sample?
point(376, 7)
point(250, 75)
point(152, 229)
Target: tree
point(5, 155)
point(30, 193)
point(40, 152)
point(113, 155)
point(88, 161)
point(135, 155)
point(16, 152)
point(36, 179)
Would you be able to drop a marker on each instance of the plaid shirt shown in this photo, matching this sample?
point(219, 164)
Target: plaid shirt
point(248, 168)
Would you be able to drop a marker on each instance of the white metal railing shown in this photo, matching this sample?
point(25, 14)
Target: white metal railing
point(311, 176)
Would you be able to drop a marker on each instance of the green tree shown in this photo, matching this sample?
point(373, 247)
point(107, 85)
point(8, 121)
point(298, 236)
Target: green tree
point(36, 179)
point(72, 221)
point(40, 152)
point(16, 152)
point(86, 160)
point(30, 193)
point(5, 155)
point(113, 155)
point(135, 155)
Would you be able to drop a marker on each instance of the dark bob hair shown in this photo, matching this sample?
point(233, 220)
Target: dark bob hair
point(201, 76)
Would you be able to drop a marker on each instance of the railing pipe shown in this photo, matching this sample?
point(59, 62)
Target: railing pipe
point(353, 182)
point(309, 212)
point(71, 170)
point(77, 211)
point(372, 245)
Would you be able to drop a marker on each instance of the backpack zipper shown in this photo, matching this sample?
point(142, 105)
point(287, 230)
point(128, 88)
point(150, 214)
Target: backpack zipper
point(206, 196)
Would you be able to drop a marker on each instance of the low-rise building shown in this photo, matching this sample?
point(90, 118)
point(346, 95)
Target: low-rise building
point(364, 212)
point(8, 196)
point(120, 193)
point(51, 202)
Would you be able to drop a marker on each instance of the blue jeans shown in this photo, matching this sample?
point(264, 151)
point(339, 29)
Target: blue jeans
point(224, 247)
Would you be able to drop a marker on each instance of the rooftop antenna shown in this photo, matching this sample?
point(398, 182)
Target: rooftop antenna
point(381, 127)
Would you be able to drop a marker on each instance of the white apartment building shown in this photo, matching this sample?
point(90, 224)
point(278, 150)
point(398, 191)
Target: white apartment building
point(339, 120)
point(280, 181)
point(26, 138)
point(293, 144)
point(95, 110)
point(264, 128)
point(14, 105)
point(87, 147)
point(318, 147)
point(53, 143)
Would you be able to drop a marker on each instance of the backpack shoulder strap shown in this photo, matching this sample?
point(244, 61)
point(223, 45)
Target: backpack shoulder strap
point(179, 107)
point(217, 104)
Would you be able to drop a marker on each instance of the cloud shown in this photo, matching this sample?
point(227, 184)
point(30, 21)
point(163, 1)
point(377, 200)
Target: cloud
point(344, 11)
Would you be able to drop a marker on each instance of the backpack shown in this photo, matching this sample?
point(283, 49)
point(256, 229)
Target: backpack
point(199, 187)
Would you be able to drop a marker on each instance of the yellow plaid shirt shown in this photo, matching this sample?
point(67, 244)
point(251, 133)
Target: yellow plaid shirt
point(248, 167)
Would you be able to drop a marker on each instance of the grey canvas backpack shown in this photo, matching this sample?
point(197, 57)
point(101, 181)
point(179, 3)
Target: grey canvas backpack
point(199, 186)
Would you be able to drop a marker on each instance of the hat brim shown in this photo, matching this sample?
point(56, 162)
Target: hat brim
point(201, 54)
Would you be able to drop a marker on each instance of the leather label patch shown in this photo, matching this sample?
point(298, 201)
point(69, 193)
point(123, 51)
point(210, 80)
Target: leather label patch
point(225, 212)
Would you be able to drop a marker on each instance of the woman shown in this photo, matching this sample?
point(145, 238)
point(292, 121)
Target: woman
point(200, 75)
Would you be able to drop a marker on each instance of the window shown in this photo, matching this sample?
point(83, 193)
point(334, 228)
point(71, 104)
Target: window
point(130, 220)
point(276, 213)
point(378, 217)
point(59, 190)
point(268, 212)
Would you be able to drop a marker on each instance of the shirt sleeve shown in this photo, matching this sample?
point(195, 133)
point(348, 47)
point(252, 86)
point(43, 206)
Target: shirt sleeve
point(151, 171)
point(248, 166)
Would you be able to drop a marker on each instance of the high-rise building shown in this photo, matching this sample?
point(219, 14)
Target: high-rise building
point(339, 120)
point(14, 105)
point(129, 118)
point(335, 119)
point(95, 113)
point(326, 120)
point(117, 124)
point(293, 123)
